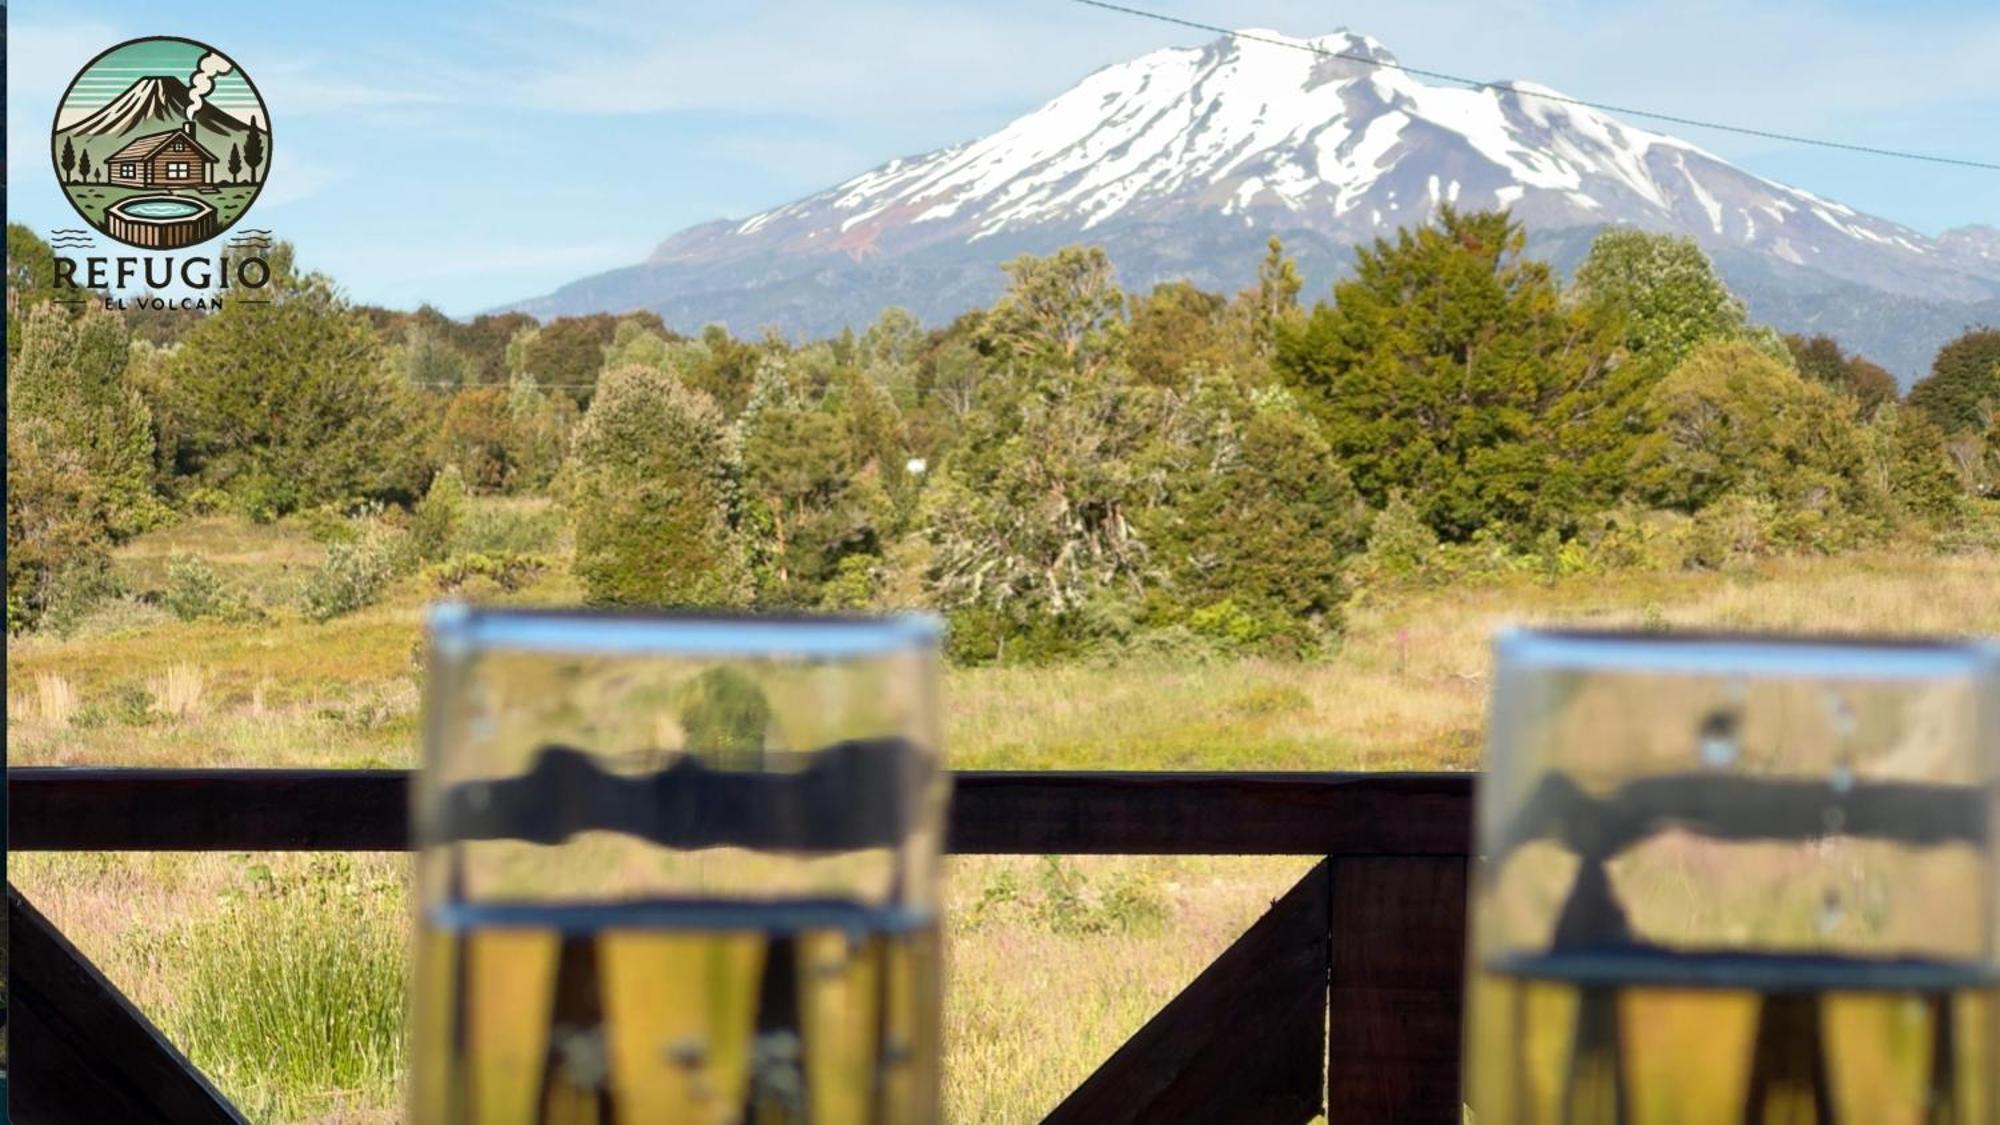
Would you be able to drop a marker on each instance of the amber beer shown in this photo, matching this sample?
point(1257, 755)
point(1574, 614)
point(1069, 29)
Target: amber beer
point(679, 1013)
point(1736, 1040)
point(677, 870)
point(1737, 881)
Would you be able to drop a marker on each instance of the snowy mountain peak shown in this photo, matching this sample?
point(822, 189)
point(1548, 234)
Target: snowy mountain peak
point(1181, 158)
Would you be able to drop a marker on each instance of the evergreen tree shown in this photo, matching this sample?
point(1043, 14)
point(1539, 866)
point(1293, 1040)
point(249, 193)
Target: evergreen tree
point(235, 163)
point(1447, 367)
point(68, 159)
point(1277, 295)
point(1258, 522)
point(1963, 389)
point(291, 404)
point(253, 150)
point(652, 487)
point(83, 166)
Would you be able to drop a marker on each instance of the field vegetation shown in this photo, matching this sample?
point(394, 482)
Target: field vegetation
point(1169, 530)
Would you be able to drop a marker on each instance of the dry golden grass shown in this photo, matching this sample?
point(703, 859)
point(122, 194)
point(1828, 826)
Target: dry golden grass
point(1035, 1003)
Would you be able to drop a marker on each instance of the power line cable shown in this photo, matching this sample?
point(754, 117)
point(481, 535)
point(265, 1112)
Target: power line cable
point(1626, 111)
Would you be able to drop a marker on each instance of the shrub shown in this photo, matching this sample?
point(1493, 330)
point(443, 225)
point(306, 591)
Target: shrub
point(328, 523)
point(1401, 543)
point(132, 705)
point(504, 572)
point(194, 591)
point(854, 583)
point(1068, 907)
point(1233, 626)
point(76, 590)
point(1731, 530)
point(352, 576)
point(202, 501)
point(652, 491)
point(434, 521)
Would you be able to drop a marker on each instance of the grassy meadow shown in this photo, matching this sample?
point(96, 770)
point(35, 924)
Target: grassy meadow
point(281, 975)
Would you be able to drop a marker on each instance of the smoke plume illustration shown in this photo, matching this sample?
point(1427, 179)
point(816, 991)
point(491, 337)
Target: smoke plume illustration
point(202, 82)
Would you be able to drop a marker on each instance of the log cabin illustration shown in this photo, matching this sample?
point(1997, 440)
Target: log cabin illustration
point(168, 159)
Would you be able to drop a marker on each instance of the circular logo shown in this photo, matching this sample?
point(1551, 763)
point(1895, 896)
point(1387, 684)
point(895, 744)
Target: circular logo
point(161, 142)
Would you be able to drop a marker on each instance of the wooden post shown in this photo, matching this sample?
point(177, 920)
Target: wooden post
point(1240, 1044)
point(1397, 990)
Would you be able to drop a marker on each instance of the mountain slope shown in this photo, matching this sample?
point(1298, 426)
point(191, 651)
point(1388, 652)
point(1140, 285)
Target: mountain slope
point(1182, 160)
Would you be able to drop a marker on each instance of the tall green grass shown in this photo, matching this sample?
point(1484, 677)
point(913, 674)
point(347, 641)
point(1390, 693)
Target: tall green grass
point(293, 997)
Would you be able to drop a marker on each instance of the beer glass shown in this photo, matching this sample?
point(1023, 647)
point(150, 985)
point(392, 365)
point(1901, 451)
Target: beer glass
point(677, 869)
point(1737, 879)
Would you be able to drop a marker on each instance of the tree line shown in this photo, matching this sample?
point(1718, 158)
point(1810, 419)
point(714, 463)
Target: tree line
point(1075, 469)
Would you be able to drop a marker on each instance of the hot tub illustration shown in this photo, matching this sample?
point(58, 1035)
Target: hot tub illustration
point(160, 222)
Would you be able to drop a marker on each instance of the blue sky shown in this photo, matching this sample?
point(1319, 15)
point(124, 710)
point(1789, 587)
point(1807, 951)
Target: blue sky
point(468, 154)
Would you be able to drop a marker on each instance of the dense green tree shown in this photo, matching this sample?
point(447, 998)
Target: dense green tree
point(813, 473)
point(69, 158)
point(1448, 368)
point(1962, 392)
point(566, 353)
point(1177, 329)
point(652, 490)
point(1032, 515)
point(70, 376)
point(891, 352)
point(1260, 518)
point(1064, 311)
point(1663, 292)
point(1731, 420)
point(253, 150)
point(290, 404)
point(1915, 467)
point(79, 454)
point(1821, 359)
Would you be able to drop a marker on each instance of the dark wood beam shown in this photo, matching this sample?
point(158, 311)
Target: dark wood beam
point(1027, 813)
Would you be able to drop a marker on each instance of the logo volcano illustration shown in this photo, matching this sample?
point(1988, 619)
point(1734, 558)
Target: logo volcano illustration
point(161, 143)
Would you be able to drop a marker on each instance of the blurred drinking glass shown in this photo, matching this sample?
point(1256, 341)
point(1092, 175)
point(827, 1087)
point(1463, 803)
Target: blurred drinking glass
point(677, 869)
point(1737, 880)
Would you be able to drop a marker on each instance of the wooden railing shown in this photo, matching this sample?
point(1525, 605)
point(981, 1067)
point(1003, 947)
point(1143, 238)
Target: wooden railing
point(1343, 998)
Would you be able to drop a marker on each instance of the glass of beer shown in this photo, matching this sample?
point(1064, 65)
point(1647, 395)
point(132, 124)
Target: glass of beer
point(677, 869)
point(1737, 879)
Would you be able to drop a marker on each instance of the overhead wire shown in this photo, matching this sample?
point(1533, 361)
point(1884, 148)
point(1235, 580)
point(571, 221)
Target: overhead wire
point(1544, 95)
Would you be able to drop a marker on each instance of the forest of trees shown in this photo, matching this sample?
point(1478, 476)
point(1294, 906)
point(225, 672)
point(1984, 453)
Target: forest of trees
point(1072, 471)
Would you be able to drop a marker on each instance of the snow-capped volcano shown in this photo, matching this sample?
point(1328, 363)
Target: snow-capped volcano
point(1182, 160)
